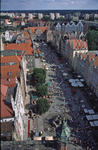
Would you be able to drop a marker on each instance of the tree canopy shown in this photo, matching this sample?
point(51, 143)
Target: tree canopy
point(92, 39)
point(43, 105)
point(42, 90)
point(39, 75)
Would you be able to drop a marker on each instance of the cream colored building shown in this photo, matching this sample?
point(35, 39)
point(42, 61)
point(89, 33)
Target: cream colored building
point(40, 15)
point(57, 15)
point(19, 102)
point(52, 16)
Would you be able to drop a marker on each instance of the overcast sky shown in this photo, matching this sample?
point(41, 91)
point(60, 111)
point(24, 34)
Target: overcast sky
point(48, 4)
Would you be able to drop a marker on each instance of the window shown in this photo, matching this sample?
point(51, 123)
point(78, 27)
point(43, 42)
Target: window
point(11, 63)
point(2, 64)
point(9, 73)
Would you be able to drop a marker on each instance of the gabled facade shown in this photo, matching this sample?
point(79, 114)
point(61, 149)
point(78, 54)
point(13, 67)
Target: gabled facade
point(18, 108)
point(86, 64)
point(18, 103)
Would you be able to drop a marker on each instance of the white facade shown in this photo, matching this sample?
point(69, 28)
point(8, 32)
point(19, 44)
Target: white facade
point(96, 16)
point(68, 27)
point(18, 103)
point(52, 16)
point(40, 16)
point(80, 27)
point(3, 14)
point(24, 70)
point(22, 23)
point(18, 108)
point(7, 119)
point(74, 27)
point(57, 15)
point(23, 15)
point(58, 27)
point(30, 16)
point(7, 36)
point(11, 15)
point(87, 16)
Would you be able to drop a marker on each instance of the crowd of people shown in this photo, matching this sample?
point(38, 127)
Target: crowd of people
point(80, 128)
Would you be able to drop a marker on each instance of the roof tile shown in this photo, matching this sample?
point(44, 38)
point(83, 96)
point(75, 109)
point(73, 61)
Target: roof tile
point(6, 111)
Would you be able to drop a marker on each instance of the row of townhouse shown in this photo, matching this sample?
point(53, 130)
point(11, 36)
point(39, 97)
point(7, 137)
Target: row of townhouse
point(60, 33)
point(86, 64)
point(13, 89)
point(70, 48)
point(38, 33)
point(18, 105)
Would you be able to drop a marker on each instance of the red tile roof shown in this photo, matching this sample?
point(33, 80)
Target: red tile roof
point(78, 44)
point(83, 55)
point(33, 29)
point(11, 83)
point(27, 46)
point(91, 56)
point(6, 111)
point(96, 61)
point(14, 69)
point(26, 34)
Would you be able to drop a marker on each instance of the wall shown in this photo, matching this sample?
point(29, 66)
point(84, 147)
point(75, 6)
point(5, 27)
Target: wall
point(18, 108)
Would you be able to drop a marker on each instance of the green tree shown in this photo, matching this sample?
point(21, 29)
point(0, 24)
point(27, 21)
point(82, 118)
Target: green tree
point(92, 39)
point(42, 90)
point(39, 75)
point(46, 18)
point(39, 70)
point(43, 105)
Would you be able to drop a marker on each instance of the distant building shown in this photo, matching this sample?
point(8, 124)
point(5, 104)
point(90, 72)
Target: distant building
point(11, 15)
point(87, 16)
point(23, 23)
point(95, 16)
point(70, 28)
point(40, 15)
point(23, 15)
point(58, 27)
point(75, 18)
point(30, 16)
point(57, 15)
point(52, 16)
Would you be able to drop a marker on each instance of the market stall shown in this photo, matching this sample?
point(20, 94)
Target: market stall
point(92, 117)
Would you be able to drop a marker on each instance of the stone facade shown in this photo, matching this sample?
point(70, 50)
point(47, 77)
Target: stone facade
point(18, 102)
point(18, 107)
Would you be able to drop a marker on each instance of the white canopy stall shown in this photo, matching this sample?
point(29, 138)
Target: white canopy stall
point(89, 111)
point(94, 123)
point(92, 117)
